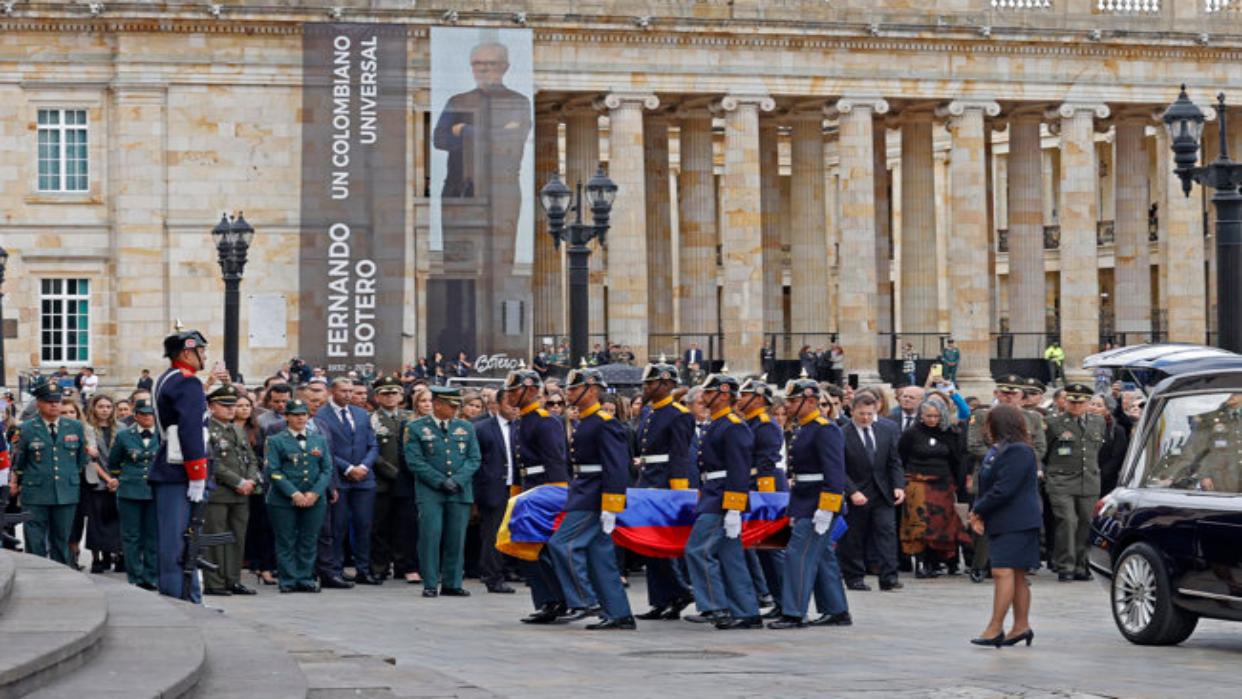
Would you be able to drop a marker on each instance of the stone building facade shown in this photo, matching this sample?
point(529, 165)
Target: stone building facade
point(790, 170)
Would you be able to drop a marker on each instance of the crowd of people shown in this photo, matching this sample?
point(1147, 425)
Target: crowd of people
point(332, 482)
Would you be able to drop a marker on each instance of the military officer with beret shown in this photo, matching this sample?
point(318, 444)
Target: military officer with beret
point(235, 472)
point(755, 400)
point(131, 457)
point(817, 466)
point(665, 431)
point(47, 472)
point(443, 454)
point(723, 590)
point(394, 484)
point(1073, 480)
point(299, 470)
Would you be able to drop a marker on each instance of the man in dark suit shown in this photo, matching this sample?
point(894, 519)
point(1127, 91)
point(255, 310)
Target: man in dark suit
point(491, 490)
point(354, 450)
point(875, 486)
point(906, 411)
point(694, 355)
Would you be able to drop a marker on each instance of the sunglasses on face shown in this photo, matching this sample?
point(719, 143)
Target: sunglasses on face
point(555, 403)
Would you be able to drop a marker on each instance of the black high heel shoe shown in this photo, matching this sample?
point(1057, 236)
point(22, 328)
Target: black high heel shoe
point(265, 581)
point(1028, 636)
point(996, 642)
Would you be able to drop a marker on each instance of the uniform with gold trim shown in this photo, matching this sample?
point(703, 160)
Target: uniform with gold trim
point(599, 455)
point(234, 464)
point(1073, 481)
point(297, 462)
point(132, 454)
point(766, 567)
point(47, 470)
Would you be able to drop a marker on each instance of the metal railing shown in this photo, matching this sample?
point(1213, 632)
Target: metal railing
point(926, 345)
point(1023, 345)
point(673, 345)
point(789, 345)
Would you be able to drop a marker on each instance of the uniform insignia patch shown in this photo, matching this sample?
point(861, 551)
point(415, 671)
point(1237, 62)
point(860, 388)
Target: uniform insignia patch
point(460, 432)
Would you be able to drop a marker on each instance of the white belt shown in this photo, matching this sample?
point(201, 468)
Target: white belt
point(808, 477)
point(590, 468)
point(654, 459)
point(532, 470)
point(713, 475)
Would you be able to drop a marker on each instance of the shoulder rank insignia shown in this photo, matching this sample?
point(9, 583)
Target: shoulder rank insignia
point(735, 419)
point(821, 420)
point(763, 417)
point(604, 416)
point(542, 412)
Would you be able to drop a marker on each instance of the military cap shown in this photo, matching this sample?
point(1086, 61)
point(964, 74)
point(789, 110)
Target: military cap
point(720, 382)
point(297, 407)
point(46, 391)
point(448, 394)
point(183, 340)
point(144, 407)
point(661, 371)
point(585, 377)
point(388, 384)
point(1010, 383)
point(226, 394)
point(1033, 385)
point(759, 387)
point(800, 388)
point(522, 378)
point(1078, 393)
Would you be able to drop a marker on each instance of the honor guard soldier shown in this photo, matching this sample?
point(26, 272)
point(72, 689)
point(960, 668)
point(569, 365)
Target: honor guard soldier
point(47, 473)
point(235, 472)
point(394, 484)
point(178, 477)
point(765, 566)
point(539, 457)
point(665, 431)
point(299, 470)
point(1073, 480)
point(132, 454)
point(723, 590)
point(817, 467)
point(443, 454)
point(599, 455)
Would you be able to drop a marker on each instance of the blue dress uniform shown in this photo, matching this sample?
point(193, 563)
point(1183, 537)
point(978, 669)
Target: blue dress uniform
point(599, 454)
point(297, 464)
point(817, 465)
point(131, 458)
point(766, 567)
point(180, 402)
point(717, 564)
point(48, 468)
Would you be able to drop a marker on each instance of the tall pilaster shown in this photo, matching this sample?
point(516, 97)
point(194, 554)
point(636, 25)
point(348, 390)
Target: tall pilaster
point(659, 236)
point(969, 272)
point(856, 116)
point(883, 240)
point(1027, 286)
point(808, 235)
point(1080, 280)
point(1132, 270)
point(548, 311)
point(696, 202)
point(741, 230)
point(581, 161)
point(919, 274)
point(1185, 282)
point(770, 196)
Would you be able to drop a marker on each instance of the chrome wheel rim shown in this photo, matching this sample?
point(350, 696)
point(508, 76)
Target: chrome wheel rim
point(1134, 594)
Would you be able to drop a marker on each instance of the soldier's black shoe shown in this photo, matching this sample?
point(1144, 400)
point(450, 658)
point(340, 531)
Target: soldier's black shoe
point(218, 591)
point(743, 622)
point(286, 590)
point(978, 575)
point(708, 617)
point(766, 601)
point(674, 610)
point(890, 586)
point(366, 579)
point(240, 589)
point(654, 613)
point(773, 613)
point(858, 586)
point(430, 592)
point(454, 592)
point(1084, 576)
point(622, 624)
point(787, 622)
point(333, 582)
point(148, 587)
point(548, 614)
point(500, 588)
point(118, 564)
point(310, 587)
point(1065, 577)
point(842, 619)
point(581, 613)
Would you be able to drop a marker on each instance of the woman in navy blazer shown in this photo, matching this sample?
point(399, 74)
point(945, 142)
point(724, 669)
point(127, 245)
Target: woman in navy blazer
point(1008, 510)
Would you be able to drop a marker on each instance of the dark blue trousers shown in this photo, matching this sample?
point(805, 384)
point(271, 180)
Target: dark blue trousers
point(808, 557)
point(718, 569)
point(351, 520)
point(579, 543)
point(541, 578)
point(172, 515)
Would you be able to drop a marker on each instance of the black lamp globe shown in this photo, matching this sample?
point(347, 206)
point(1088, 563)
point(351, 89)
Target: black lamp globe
point(1184, 122)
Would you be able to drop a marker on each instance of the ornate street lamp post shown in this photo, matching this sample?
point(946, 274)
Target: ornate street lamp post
point(4, 262)
point(232, 238)
point(556, 199)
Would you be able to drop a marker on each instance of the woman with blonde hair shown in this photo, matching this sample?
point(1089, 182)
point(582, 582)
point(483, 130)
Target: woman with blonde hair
point(103, 521)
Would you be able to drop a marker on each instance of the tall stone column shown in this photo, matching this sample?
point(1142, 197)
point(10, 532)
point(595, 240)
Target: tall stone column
point(857, 311)
point(696, 202)
point(659, 236)
point(741, 231)
point(1080, 269)
point(627, 240)
point(770, 202)
point(919, 273)
point(808, 237)
point(969, 272)
point(1027, 286)
point(581, 161)
point(1185, 282)
point(1132, 270)
point(883, 241)
point(548, 310)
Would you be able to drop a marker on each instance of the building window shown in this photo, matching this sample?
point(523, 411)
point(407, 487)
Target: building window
point(62, 150)
point(64, 315)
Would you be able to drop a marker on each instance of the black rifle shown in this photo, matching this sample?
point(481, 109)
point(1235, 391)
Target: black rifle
point(9, 520)
point(195, 542)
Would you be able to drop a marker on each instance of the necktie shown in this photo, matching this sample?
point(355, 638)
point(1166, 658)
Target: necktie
point(869, 443)
point(51, 428)
point(908, 421)
point(301, 438)
point(345, 419)
point(444, 427)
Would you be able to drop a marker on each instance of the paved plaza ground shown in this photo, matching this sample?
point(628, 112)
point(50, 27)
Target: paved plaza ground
point(911, 643)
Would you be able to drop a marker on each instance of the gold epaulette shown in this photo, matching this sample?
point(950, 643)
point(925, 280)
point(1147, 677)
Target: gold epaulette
point(763, 417)
point(821, 420)
point(735, 419)
point(541, 412)
point(604, 416)
point(681, 408)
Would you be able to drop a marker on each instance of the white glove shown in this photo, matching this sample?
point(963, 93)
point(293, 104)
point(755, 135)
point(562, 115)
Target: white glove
point(822, 520)
point(608, 520)
point(733, 524)
point(196, 490)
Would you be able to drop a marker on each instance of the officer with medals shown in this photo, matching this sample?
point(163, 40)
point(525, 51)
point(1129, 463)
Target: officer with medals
point(235, 473)
point(723, 590)
point(1073, 480)
point(817, 467)
point(599, 456)
point(539, 456)
point(47, 473)
point(394, 484)
point(443, 454)
point(131, 457)
point(299, 470)
point(765, 566)
point(665, 433)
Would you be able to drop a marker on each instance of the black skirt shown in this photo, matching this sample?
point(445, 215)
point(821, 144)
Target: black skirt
point(1018, 549)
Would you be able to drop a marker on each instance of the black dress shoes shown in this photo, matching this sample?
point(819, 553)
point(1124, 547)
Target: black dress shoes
point(548, 614)
point(311, 587)
point(335, 582)
point(622, 624)
point(766, 601)
point(454, 592)
point(1065, 577)
point(240, 589)
point(581, 613)
point(978, 575)
point(787, 622)
point(858, 586)
point(217, 591)
point(654, 613)
point(744, 622)
point(286, 590)
point(842, 619)
point(430, 592)
point(773, 613)
point(367, 579)
point(148, 587)
point(890, 586)
point(1083, 576)
point(500, 588)
point(674, 610)
point(708, 617)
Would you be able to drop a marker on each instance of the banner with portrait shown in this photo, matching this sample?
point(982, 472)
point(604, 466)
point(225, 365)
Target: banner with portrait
point(482, 197)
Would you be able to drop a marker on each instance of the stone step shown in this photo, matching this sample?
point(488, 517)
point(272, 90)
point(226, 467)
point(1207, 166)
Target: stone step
point(243, 663)
point(8, 573)
point(150, 648)
point(54, 618)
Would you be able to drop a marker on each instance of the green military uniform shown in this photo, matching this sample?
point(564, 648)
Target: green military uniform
point(1073, 481)
point(387, 543)
point(1215, 450)
point(131, 457)
point(297, 464)
point(443, 457)
point(48, 468)
point(233, 463)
